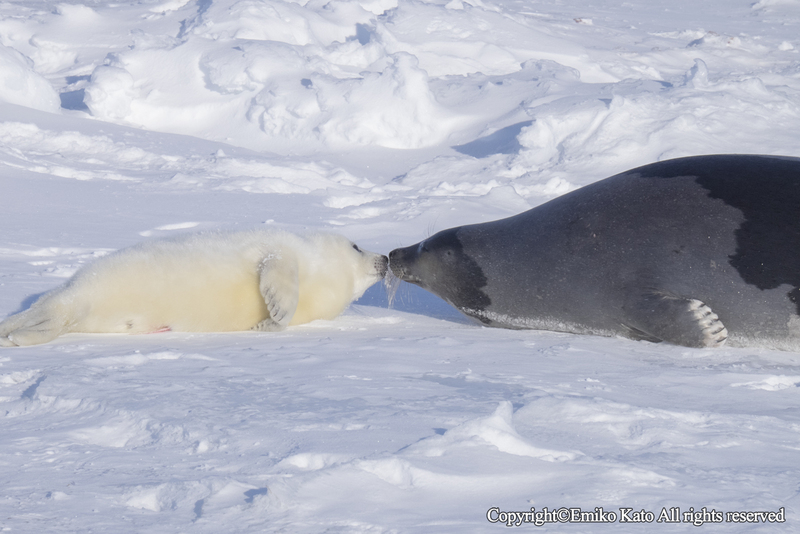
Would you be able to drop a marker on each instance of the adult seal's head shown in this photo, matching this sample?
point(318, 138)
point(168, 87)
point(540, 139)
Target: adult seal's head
point(440, 265)
point(695, 251)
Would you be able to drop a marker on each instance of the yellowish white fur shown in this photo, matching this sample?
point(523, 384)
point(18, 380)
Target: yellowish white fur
point(208, 282)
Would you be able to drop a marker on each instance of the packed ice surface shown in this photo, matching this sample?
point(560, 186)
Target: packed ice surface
point(385, 120)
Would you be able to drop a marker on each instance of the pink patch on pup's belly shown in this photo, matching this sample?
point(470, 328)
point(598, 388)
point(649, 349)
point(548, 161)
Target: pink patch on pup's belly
point(162, 329)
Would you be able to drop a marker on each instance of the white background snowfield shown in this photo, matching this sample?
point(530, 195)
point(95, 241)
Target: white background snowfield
point(385, 120)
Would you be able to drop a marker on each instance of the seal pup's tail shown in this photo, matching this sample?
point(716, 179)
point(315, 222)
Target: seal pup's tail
point(38, 324)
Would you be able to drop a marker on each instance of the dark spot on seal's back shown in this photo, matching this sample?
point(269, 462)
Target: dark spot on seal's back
point(767, 192)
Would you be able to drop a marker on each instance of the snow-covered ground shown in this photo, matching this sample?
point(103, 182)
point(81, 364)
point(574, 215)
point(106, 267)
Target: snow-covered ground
point(385, 120)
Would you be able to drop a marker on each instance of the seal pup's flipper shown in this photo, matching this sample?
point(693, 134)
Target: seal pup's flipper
point(33, 326)
point(279, 285)
point(677, 320)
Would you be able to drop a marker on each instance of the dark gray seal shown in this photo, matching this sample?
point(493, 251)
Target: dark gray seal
point(692, 251)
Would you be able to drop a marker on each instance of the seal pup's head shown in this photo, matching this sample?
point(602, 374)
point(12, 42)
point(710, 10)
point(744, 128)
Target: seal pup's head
point(372, 266)
point(345, 261)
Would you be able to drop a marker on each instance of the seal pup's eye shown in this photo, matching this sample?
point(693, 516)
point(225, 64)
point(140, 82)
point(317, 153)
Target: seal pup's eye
point(356, 247)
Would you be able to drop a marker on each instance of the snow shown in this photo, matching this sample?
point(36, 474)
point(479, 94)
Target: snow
point(385, 120)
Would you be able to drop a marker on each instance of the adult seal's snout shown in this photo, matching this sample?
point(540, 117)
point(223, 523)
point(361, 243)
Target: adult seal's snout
point(694, 251)
point(399, 259)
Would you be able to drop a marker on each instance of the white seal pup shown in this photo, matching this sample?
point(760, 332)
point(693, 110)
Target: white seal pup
point(208, 282)
point(692, 251)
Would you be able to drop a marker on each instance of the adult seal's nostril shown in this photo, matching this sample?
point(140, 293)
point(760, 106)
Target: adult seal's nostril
point(693, 251)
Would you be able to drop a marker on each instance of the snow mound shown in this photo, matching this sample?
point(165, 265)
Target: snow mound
point(20, 84)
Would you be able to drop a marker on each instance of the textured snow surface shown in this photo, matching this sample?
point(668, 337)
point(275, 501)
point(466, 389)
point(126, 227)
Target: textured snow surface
point(385, 120)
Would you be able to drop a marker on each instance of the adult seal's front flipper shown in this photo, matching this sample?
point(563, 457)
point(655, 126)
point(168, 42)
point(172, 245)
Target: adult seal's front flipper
point(681, 321)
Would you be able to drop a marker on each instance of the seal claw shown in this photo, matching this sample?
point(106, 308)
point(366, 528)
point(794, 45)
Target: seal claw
point(714, 332)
